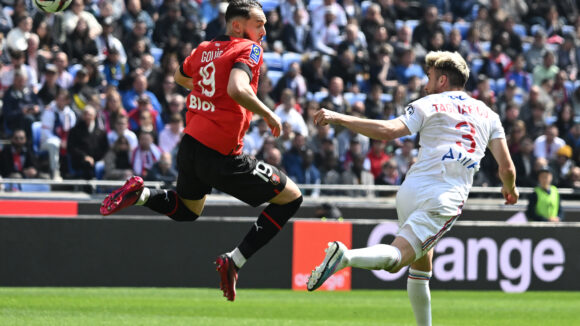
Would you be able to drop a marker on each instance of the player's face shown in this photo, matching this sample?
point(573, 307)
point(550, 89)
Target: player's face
point(433, 84)
point(254, 29)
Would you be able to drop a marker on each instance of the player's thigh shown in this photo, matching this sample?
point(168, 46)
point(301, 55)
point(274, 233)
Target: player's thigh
point(191, 188)
point(407, 252)
point(424, 263)
point(250, 180)
point(290, 193)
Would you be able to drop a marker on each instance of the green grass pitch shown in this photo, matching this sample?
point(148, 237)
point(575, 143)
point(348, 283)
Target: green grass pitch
point(162, 306)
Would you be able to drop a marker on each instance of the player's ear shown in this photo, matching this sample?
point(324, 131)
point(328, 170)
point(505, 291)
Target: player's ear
point(237, 26)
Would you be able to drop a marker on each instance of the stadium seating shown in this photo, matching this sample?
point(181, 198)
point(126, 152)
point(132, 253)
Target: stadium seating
point(463, 27)
point(274, 76)
point(500, 85)
point(520, 30)
point(290, 57)
point(157, 53)
point(569, 87)
point(273, 60)
point(411, 23)
point(386, 97)
point(476, 65)
point(447, 27)
point(269, 5)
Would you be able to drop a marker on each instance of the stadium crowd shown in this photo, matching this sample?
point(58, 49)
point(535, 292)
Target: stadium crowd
point(89, 92)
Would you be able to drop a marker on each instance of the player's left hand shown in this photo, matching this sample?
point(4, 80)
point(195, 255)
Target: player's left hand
point(274, 123)
point(511, 195)
point(323, 117)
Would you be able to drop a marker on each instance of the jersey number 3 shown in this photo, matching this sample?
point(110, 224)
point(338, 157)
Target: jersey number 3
point(464, 125)
point(207, 82)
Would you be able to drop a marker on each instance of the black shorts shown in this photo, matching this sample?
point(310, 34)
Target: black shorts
point(243, 176)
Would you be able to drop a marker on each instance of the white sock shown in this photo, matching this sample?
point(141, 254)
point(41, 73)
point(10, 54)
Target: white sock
point(379, 256)
point(143, 197)
point(420, 295)
point(238, 258)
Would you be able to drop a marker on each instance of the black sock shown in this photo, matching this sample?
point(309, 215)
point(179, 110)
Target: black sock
point(167, 202)
point(269, 223)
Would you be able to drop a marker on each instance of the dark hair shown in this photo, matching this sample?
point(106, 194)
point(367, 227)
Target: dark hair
point(241, 8)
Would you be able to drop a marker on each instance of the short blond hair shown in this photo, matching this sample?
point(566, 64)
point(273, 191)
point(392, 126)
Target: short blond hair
point(450, 64)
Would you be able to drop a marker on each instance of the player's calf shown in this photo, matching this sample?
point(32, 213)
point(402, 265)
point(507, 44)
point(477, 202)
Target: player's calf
point(166, 202)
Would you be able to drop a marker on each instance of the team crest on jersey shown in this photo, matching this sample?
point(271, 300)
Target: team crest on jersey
point(275, 179)
point(410, 110)
point(255, 53)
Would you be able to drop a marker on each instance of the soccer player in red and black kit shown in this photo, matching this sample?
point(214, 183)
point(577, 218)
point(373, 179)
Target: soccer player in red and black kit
point(223, 78)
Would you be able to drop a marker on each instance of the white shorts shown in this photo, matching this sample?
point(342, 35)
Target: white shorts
point(426, 211)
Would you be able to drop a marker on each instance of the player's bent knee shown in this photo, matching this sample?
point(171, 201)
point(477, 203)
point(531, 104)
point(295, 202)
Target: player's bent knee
point(186, 210)
point(282, 213)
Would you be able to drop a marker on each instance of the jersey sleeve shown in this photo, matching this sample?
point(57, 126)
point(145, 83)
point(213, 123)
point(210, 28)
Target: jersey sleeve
point(187, 66)
point(413, 117)
point(249, 59)
point(496, 128)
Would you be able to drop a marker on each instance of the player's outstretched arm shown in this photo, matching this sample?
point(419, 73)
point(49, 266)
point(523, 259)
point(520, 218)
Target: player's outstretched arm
point(182, 80)
point(240, 90)
point(507, 171)
point(376, 129)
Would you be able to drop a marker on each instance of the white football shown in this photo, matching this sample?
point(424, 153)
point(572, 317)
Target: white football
point(51, 5)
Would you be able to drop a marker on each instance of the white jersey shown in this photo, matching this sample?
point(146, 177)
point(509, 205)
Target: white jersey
point(455, 130)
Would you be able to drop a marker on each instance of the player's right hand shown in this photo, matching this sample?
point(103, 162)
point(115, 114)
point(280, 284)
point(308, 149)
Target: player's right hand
point(323, 117)
point(274, 123)
point(511, 196)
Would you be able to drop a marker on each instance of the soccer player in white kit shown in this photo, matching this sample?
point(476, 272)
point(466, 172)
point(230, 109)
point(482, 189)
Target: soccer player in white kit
point(455, 130)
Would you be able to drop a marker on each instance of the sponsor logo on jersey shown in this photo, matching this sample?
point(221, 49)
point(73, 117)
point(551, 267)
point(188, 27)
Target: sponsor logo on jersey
point(255, 53)
point(275, 179)
point(410, 110)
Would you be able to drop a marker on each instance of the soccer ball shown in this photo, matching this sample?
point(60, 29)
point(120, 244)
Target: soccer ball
point(52, 5)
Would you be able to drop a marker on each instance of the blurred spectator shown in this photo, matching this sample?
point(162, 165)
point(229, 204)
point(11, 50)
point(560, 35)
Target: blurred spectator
point(428, 26)
point(573, 138)
point(87, 144)
point(6, 23)
point(106, 42)
point(273, 156)
point(554, 22)
point(326, 35)
point(293, 159)
point(374, 105)
point(35, 57)
point(320, 14)
point(140, 88)
point(311, 108)
point(311, 173)
point(403, 42)
point(317, 140)
point(96, 80)
point(217, 26)
point(171, 22)
point(176, 105)
point(254, 139)
point(17, 159)
point(377, 156)
point(496, 63)
point(20, 105)
point(472, 44)
point(515, 9)
point(138, 34)
point(389, 175)
point(544, 203)
point(209, 10)
point(81, 93)
point(506, 36)
point(274, 28)
point(117, 160)
point(524, 163)
point(112, 108)
point(57, 120)
point(121, 129)
point(17, 37)
point(77, 13)
point(400, 100)
point(408, 68)
point(561, 165)
point(352, 9)
point(536, 125)
point(336, 96)
point(144, 118)
point(547, 145)
point(264, 88)
point(113, 68)
point(288, 113)
point(292, 80)
point(382, 72)
point(50, 88)
point(79, 43)
point(405, 156)
point(145, 155)
point(534, 56)
point(456, 44)
point(163, 170)
point(534, 99)
point(343, 66)
point(573, 181)
point(355, 41)
point(355, 148)
point(372, 21)
point(170, 136)
point(329, 165)
point(568, 56)
point(436, 42)
point(64, 78)
point(358, 174)
point(289, 8)
point(483, 24)
point(512, 112)
point(547, 70)
point(314, 71)
point(134, 15)
point(512, 96)
point(521, 78)
point(296, 35)
point(515, 136)
point(7, 72)
point(284, 142)
point(559, 93)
